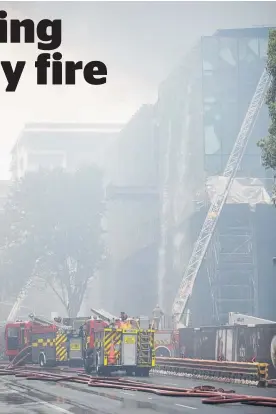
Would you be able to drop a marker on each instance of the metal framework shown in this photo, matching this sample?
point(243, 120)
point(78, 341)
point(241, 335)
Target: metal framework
point(202, 243)
point(212, 270)
point(234, 271)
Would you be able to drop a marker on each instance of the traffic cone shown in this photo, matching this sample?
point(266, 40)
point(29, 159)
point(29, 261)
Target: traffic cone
point(112, 355)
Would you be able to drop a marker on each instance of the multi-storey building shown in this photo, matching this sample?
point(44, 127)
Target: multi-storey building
point(196, 120)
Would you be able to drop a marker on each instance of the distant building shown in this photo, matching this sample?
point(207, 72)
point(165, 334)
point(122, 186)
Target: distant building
point(65, 145)
point(69, 146)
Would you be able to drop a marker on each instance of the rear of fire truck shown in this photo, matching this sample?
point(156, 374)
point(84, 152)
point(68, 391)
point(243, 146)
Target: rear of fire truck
point(129, 350)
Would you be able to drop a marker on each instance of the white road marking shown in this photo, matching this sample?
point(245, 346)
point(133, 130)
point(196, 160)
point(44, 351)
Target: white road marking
point(41, 402)
point(170, 383)
point(127, 393)
point(186, 406)
point(46, 404)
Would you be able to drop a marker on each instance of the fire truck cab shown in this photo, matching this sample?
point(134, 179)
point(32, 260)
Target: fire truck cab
point(17, 337)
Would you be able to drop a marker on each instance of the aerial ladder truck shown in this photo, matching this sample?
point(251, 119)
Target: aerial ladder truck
point(180, 308)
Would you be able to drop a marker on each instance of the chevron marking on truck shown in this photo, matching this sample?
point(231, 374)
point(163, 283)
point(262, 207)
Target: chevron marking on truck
point(112, 337)
point(61, 351)
point(162, 342)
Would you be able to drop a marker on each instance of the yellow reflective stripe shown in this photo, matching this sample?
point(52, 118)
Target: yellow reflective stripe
point(43, 342)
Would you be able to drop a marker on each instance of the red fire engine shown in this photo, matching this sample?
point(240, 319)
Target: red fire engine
point(112, 344)
point(100, 344)
point(17, 337)
point(44, 342)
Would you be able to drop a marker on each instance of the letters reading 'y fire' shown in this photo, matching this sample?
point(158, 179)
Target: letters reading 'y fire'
point(49, 34)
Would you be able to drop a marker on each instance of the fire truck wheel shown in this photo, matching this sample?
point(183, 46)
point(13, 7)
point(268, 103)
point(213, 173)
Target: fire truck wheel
point(146, 372)
point(88, 367)
point(142, 372)
point(42, 360)
point(98, 369)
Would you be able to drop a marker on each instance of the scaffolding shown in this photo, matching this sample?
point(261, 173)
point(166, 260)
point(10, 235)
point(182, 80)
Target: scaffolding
point(235, 279)
point(231, 260)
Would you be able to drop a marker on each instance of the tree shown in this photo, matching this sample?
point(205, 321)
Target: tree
point(57, 216)
point(268, 144)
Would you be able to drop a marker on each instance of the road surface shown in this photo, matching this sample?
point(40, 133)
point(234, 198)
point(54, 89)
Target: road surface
point(20, 396)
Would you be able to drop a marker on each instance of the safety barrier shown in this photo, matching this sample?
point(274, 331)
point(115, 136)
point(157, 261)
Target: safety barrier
point(244, 371)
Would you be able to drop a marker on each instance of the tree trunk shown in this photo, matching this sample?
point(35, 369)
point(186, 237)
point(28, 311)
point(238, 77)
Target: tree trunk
point(74, 305)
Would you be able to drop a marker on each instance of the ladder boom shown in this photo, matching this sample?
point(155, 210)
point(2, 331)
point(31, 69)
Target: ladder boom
point(19, 300)
point(206, 233)
point(43, 321)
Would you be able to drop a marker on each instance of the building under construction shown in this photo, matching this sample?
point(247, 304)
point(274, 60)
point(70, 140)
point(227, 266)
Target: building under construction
point(184, 143)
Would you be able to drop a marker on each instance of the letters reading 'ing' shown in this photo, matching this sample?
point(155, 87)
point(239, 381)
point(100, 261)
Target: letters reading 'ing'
point(48, 41)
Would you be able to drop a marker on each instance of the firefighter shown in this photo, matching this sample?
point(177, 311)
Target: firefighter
point(123, 316)
point(112, 324)
point(57, 319)
point(157, 315)
point(81, 331)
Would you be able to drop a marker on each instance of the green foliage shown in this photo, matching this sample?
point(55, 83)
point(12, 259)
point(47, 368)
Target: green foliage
point(268, 144)
point(55, 217)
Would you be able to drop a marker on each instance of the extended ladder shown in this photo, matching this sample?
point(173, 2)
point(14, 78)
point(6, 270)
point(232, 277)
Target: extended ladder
point(20, 298)
point(46, 322)
point(200, 247)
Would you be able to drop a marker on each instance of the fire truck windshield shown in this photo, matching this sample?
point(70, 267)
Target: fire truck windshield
point(12, 338)
point(13, 332)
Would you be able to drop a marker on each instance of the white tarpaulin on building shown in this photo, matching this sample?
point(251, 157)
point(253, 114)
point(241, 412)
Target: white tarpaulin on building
point(243, 190)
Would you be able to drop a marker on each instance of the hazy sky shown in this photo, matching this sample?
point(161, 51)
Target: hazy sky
point(140, 42)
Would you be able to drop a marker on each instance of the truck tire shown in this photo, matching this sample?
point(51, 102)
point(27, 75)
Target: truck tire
point(88, 367)
point(42, 360)
point(98, 369)
point(145, 372)
point(142, 372)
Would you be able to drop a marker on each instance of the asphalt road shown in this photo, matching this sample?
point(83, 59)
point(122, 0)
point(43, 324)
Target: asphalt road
point(19, 396)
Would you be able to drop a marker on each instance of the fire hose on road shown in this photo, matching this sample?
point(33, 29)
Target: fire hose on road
point(209, 394)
